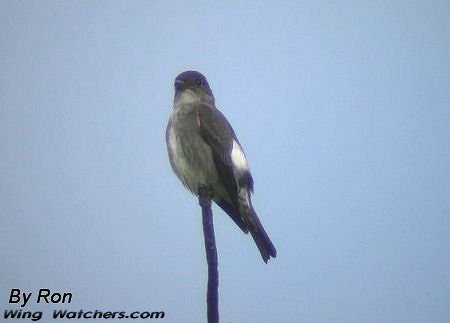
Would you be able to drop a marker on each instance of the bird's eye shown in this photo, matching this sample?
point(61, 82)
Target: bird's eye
point(198, 82)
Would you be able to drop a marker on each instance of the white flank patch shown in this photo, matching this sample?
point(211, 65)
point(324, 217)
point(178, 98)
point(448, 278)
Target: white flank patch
point(177, 154)
point(238, 157)
point(172, 141)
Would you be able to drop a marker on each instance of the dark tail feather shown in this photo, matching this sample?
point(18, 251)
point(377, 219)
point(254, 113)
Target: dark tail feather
point(251, 223)
point(233, 213)
point(262, 240)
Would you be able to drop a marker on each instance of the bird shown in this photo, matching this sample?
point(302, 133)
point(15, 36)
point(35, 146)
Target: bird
point(204, 152)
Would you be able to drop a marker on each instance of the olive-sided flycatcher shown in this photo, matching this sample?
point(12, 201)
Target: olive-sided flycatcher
point(204, 151)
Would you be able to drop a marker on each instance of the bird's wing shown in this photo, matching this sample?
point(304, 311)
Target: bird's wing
point(229, 157)
point(218, 134)
point(216, 131)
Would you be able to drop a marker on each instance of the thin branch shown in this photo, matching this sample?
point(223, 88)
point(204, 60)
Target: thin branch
point(212, 296)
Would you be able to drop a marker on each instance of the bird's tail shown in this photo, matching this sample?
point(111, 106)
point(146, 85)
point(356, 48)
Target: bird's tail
point(262, 240)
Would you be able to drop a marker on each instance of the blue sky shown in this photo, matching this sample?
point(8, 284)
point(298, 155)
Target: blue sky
point(343, 110)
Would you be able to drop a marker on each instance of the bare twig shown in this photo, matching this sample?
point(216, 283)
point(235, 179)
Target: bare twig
point(212, 296)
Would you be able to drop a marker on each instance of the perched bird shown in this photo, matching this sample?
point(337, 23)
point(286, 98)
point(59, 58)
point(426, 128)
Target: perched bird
point(204, 151)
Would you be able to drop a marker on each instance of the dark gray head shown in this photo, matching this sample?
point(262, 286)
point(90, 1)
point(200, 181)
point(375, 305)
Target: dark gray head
point(194, 81)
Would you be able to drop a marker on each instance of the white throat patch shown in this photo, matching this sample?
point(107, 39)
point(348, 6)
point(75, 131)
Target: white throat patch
point(187, 97)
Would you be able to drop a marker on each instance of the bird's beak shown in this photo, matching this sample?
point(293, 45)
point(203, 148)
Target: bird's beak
point(179, 84)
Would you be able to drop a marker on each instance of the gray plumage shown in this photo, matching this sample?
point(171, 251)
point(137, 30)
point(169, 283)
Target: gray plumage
point(203, 150)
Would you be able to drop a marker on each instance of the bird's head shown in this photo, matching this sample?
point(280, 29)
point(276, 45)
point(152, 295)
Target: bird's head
point(193, 84)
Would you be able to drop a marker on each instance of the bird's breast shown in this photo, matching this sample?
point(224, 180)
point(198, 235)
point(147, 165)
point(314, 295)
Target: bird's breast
point(191, 157)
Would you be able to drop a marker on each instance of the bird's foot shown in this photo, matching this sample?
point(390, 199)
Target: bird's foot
point(205, 195)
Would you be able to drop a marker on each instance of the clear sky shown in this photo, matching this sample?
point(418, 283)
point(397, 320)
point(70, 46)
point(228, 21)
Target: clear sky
point(343, 110)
